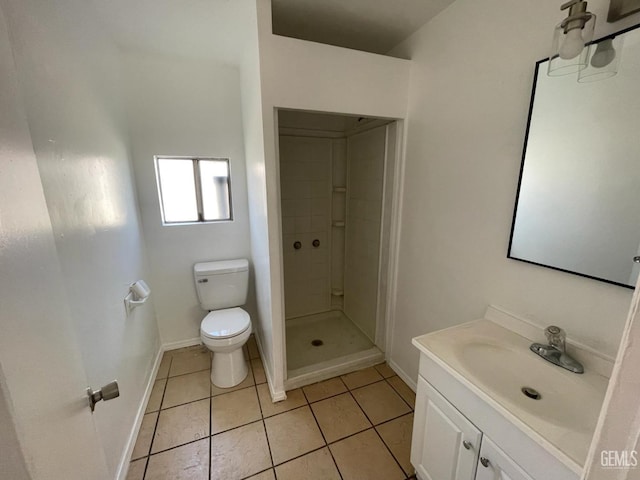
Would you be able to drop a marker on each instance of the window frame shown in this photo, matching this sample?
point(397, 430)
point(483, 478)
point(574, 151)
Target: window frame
point(198, 188)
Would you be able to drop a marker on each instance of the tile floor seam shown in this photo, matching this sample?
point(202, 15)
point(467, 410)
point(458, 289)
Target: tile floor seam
point(185, 403)
point(378, 434)
point(326, 444)
point(390, 452)
point(210, 426)
point(187, 373)
point(399, 394)
point(392, 419)
point(349, 436)
point(286, 411)
point(176, 446)
point(266, 434)
point(326, 398)
point(258, 473)
point(211, 434)
point(155, 427)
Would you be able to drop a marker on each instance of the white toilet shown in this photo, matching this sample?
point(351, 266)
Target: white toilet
point(222, 287)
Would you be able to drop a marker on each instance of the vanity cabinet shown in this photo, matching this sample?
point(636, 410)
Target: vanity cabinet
point(496, 465)
point(447, 446)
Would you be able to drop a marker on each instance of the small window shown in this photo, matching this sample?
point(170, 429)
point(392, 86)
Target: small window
point(193, 190)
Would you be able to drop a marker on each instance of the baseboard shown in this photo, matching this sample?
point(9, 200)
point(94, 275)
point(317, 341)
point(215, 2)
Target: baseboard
point(333, 368)
point(123, 468)
point(181, 344)
point(276, 396)
point(413, 384)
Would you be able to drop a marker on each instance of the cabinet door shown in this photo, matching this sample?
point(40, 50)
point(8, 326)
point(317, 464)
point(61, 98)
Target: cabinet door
point(445, 445)
point(494, 464)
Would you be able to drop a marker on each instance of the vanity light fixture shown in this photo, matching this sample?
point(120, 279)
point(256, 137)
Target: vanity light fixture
point(604, 61)
point(571, 39)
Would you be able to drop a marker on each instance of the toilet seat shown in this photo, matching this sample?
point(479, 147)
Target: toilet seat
point(226, 323)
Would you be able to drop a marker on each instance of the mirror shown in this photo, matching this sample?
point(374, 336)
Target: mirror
point(578, 203)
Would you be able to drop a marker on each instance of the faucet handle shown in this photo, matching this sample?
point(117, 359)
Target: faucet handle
point(555, 336)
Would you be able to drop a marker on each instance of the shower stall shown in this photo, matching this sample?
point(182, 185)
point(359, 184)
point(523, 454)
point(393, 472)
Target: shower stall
point(336, 177)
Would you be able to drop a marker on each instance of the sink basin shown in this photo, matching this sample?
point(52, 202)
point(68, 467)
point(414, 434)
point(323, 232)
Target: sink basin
point(565, 400)
point(495, 364)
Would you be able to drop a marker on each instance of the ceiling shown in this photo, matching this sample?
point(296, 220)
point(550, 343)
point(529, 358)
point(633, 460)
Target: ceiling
point(211, 29)
point(370, 25)
point(217, 29)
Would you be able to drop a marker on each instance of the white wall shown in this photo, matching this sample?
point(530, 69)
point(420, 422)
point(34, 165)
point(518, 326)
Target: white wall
point(366, 156)
point(261, 236)
point(305, 181)
point(618, 429)
point(69, 76)
point(41, 371)
point(469, 97)
point(307, 76)
point(12, 464)
point(185, 107)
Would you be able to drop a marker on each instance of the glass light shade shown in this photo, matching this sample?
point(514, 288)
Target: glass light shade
point(570, 50)
point(604, 60)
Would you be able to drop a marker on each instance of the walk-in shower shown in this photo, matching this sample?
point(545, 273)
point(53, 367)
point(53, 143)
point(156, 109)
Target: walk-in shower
point(336, 174)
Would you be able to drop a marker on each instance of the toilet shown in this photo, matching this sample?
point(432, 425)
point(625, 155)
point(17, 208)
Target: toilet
point(222, 287)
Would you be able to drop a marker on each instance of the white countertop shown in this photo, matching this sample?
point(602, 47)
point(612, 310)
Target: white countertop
point(495, 362)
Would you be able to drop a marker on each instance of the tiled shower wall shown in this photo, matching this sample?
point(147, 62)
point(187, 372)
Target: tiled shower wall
point(366, 155)
point(305, 185)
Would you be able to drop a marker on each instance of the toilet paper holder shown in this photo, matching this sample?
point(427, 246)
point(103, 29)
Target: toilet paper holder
point(138, 293)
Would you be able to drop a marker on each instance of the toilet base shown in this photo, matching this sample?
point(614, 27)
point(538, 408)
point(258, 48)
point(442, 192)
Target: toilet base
point(228, 369)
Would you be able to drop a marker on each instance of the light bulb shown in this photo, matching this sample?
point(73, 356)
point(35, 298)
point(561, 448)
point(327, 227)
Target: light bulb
point(572, 45)
point(604, 55)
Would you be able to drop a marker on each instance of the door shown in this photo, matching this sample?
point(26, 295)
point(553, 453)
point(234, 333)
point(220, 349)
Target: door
point(445, 445)
point(494, 464)
point(41, 374)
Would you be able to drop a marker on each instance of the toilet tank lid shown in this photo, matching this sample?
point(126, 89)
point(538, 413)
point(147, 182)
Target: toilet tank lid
point(220, 267)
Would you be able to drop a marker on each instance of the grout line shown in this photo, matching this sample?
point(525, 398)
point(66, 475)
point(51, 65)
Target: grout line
point(378, 434)
point(177, 446)
point(396, 390)
point(326, 444)
point(155, 427)
point(258, 473)
point(187, 373)
point(302, 455)
point(264, 425)
point(183, 404)
point(390, 452)
point(392, 419)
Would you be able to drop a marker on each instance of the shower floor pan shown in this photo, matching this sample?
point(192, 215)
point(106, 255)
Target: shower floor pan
point(324, 345)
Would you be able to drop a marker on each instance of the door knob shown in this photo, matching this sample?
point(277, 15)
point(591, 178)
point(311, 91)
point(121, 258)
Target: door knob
point(467, 445)
point(484, 461)
point(316, 243)
point(107, 392)
point(297, 245)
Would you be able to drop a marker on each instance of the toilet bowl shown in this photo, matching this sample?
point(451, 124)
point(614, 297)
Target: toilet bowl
point(222, 288)
point(224, 332)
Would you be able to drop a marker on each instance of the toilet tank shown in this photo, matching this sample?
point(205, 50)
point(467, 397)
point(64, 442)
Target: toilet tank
point(222, 284)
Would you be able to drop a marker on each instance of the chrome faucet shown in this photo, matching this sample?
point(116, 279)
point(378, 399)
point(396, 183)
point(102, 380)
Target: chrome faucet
point(556, 352)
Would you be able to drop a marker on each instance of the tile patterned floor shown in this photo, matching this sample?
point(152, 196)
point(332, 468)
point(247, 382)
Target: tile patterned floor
point(357, 426)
